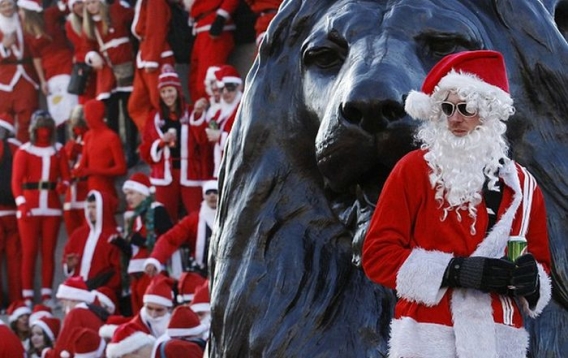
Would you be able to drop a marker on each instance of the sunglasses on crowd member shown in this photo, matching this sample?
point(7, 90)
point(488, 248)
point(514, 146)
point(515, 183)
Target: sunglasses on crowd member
point(448, 108)
point(231, 87)
point(211, 191)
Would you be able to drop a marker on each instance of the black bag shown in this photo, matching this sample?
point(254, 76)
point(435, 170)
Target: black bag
point(180, 34)
point(79, 78)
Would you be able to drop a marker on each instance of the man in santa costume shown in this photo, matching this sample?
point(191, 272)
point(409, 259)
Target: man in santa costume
point(18, 79)
point(40, 176)
point(130, 341)
point(10, 247)
point(213, 27)
point(182, 337)
point(88, 252)
point(231, 86)
point(194, 230)
point(150, 25)
point(441, 229)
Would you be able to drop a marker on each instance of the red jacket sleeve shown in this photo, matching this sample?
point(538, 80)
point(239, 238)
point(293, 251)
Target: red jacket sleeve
point(183, 232)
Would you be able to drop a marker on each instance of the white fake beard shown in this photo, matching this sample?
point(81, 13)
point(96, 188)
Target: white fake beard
point(460, 165)
point(158, 325)
point(9, 25)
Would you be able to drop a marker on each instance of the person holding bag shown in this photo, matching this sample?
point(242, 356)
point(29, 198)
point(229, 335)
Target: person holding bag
point(106, 36)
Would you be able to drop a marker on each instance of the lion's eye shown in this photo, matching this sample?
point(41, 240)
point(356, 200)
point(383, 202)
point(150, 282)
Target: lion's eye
point(443, 47)
point(323, 57)
point(440, 45)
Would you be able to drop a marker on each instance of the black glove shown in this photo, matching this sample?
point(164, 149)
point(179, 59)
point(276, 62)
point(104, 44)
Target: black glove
point(138, 240)
point(481, 273)
point(525, 281)
point(217, 26)
point(122, 245)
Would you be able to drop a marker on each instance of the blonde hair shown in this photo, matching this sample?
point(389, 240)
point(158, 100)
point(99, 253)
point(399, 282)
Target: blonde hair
point(89, 25)
point(34, 24)
point(76, 23)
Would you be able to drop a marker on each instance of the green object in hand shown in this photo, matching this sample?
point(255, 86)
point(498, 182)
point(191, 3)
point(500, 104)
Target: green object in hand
point(516, 246)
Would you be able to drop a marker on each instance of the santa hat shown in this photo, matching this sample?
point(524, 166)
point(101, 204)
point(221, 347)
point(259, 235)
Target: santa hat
point(184, 322)
point(70, 4)
point(201, 302)
point(17, 309)
point(50, 325)
point(210, 77)
point(75, 288)
point(112, 323)
point(227, 74)
point(482, 70)
point(107, 297)
point(209, 185)
point(94, 110)
point(7, 121)
point(159, 291)
point(187, 284)
point(169, 77)
point(88, 344)
point(139, 182)
point(39, 311)
point(126, 339)
point(33, 5)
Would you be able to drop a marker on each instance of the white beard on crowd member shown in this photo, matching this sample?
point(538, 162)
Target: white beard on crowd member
point(461, 165)
point(9, 25)
point(157, 325)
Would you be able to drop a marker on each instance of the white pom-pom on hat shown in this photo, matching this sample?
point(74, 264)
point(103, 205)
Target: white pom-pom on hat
point(418, 105)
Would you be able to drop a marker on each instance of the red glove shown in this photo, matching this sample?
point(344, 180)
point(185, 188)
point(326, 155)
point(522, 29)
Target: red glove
point(62, 187)
point(23, 209)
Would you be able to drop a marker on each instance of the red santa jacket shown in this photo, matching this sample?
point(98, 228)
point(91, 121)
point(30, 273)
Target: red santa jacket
point(225, 118)
point(90, 242)
point(204, 12)
point(8, 148)
point(43, 167)
point(150, 25)
point(11, 345)
point(16, 61)
point(77, 191)
point(54, 50)
point(191, 230)
point(408, 248)
point(196, 164)
point(265, 11)
point(76, 40)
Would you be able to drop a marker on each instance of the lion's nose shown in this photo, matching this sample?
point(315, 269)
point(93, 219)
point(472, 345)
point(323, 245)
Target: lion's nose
point(372, 115)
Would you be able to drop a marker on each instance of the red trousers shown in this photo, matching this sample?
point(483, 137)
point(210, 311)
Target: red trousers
point(38, 232)
point(73, 218)
point(138, 286)
point(21, 102)
point(11, 249)
point(171, 196)
point(207, 52)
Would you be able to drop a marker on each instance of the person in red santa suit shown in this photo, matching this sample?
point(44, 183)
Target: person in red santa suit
point(88, 252)
point(102, 156)
point(182, 337)
point(10, 247)
point(10, 345)
point(194, 230)
point(174, 149)
point(74, 32)
point(18, 79)
point(231, 85)
point(442, 230)
point(74, 203)
point(40, 175)
point(145, 222)
point(150, 26)
point(205, 108)
point(265, 11)
point(129, 340)
point(52, 57)
point(213, 26)
point(106, 36)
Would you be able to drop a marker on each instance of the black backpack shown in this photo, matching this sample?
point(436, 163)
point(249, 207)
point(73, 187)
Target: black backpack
point(180, 35)
point(6, 196)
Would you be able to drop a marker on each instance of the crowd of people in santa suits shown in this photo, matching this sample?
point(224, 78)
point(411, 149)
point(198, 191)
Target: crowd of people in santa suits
point(140, 288)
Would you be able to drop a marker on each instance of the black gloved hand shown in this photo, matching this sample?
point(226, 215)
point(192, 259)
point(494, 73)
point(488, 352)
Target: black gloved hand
point(525, 281)
point(217, 26)
point(481, 273)
point(122, 245)
point(138, 240)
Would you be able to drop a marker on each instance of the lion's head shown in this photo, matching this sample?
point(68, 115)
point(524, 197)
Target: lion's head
point(321, 125)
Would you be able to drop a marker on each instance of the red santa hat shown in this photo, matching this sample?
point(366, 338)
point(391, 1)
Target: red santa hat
point(187, 284)
point(33, 5)
point(184, 322)
point(39, 311)
point(210, 77)
point(482, 70)
point(227, 74)
point(75, 288)
point(88, 344)
point(94, 109)
point(70, 4)
point(209, 185)
point(50, 325)
point(7, 121)
point(107, 297)
point(139, 182)
point(126, 339)
point(17, 309)
point(159, 291)
point(201, 302)
point(169, 77)
point(112, 323)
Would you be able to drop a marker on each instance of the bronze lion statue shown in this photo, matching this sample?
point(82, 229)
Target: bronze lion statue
point(320, 127)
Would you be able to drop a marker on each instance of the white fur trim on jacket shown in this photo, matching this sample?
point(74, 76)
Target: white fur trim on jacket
point(545, 294)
